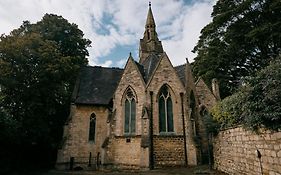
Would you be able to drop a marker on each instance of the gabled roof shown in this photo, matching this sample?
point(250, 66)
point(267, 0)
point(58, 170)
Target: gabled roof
point(96, 85)
point(205, 94)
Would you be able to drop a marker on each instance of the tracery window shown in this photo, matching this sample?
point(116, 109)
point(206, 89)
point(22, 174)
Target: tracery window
point(92, 129)
point(130, 112)
point(166, 123)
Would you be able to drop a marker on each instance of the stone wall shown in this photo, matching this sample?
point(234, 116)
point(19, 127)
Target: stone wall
point(76, 135)
point(235, 152)
point(168, 151)
point(165, 74)
point(205, 95)
point(130, 78)
point(125, 152)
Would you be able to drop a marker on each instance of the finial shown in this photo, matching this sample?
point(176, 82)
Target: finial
point(149, 4)
point(130, 54)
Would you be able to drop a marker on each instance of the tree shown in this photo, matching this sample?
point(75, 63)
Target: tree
point(256, 104)
point(243, 37)
point(38, 67)
point(262, 108)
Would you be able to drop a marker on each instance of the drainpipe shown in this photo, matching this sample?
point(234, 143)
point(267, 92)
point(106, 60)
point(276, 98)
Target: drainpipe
point(183, 126)
point(151, 157)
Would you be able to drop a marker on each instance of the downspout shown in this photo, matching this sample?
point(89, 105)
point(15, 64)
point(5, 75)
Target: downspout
point(184, 133)
point(151, 157)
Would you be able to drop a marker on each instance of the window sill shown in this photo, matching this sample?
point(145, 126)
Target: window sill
point(167, 133)
point(129, 134)
point(91, 142)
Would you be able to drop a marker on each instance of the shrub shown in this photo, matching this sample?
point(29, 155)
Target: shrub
point(229, 111)
point(263, 105)
point(257, 104)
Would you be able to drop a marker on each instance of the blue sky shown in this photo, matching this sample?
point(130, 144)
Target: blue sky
point(115, 26)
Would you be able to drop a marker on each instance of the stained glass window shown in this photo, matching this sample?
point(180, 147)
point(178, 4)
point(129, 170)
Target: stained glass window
point(130, 112)
point(166, 123)
point(92, 129)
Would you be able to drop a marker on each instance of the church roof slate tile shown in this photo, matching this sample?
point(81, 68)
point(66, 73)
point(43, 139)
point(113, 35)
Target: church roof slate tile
point(96, 85)
point(149, 65)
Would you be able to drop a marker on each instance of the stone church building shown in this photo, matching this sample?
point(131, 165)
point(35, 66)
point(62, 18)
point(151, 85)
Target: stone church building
point(147, 115)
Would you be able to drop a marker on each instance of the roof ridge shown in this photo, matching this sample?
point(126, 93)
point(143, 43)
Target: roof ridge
point(180, 65)
point(89, 66)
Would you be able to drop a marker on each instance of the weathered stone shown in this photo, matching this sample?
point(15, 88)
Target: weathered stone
point(269, 148)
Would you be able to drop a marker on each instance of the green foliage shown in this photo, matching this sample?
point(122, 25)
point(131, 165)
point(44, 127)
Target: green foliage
point(228, 112)
point(242, 38)
point(257, 104)
point(262, 107)
point(38, 67)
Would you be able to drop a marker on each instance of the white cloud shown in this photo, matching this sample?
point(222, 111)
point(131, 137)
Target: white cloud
point(178, 24)
point(192, 20)
point(107, 63)
point(121, 63)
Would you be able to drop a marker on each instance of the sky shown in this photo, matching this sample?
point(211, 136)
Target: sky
point(116, 26)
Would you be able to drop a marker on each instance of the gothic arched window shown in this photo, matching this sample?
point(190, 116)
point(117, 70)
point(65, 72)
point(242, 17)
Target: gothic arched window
point(130, 112)
point(92, 129)
point(166, 123)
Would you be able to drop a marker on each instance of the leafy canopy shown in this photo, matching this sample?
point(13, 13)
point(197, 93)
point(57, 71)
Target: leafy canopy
point(243, 37)
point(38, 67)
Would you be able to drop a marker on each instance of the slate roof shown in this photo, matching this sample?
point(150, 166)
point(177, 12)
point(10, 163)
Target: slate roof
point(149, 65)
point(96, 85)
point(141, 69)
point(181, 72)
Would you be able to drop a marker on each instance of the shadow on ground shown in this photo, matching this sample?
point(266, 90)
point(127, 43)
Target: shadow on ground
point(199, 170)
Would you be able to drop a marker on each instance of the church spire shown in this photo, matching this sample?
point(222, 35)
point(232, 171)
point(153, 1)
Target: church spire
point(150, 27)
point(150, 42)
point(150, 20)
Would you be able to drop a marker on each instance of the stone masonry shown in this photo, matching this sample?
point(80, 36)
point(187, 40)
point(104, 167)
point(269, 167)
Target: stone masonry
point(236, 152)
point(169, 151)
point(76, 133)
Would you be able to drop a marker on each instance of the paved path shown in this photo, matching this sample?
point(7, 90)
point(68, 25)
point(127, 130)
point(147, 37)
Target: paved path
point(169, 171)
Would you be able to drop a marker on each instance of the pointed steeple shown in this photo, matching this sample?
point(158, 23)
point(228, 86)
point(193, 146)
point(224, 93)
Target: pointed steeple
point(150, 20)
point(150, 42)
point(150, 27)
